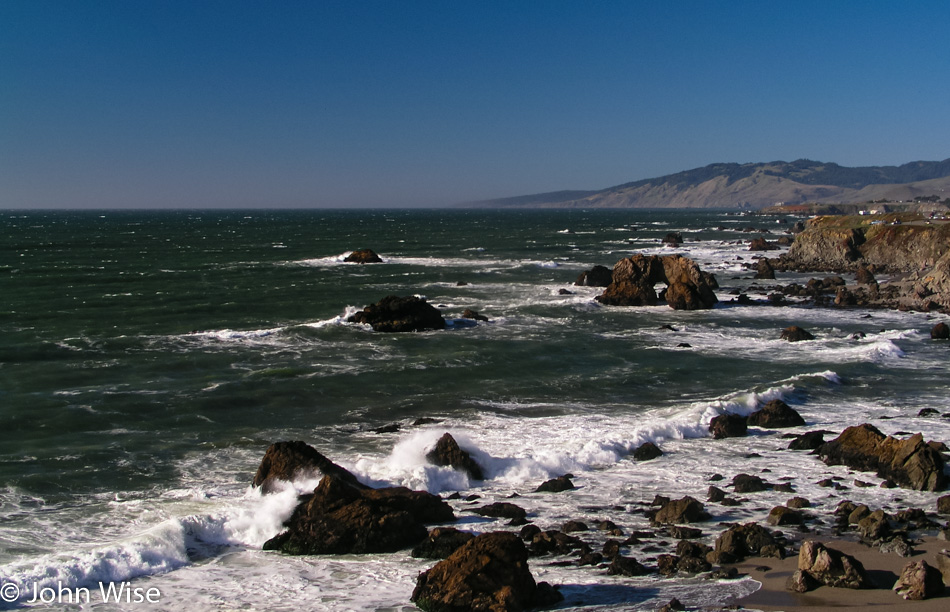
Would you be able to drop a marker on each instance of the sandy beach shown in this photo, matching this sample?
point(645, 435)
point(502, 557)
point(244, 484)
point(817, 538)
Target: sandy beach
point(884, 570)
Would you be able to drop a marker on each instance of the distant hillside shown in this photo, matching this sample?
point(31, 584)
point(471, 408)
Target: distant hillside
point(752, 186)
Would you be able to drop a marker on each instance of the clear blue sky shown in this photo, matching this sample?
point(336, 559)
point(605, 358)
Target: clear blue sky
point(167, 103)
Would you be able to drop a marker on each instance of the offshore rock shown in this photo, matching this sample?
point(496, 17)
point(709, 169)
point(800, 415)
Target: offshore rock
point(831, 567)
point(290, 460)
point(776, 415)
point(400, 314)
point(647, 451)
point(728, 426)
point(448, 453)
point(634, 278)
point(796, 334)
point(598, 276)
point(910, 463)
point(488, 573)
point(555, 485)
point(339, 518)
point(363, 256)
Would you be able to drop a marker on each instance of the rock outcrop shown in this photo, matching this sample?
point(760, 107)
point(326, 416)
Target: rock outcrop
point(363, 256)
point(340, 518)
point(776, 415)
point(910, 463)
point(400, 314)
point(488, 573)
point(291, 460)
point(598, 276)
point(634, 278)
point(448, 453)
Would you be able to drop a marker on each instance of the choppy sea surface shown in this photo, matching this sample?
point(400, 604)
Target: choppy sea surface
point(147, 360)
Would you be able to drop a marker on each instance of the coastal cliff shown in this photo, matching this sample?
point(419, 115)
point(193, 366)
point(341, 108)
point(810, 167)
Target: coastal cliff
point(909, 254)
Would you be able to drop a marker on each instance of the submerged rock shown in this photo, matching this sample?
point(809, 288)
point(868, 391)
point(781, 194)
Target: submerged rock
point(796, 334)
point(340, 518)
point(400, 314)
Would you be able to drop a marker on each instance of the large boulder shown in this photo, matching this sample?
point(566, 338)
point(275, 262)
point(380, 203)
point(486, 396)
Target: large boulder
point(634, 278)
point(728, 426)
point(741, 541)
point(288, 461)
point(598, 276)
point(488, 573)
point(448, 453)
point(363, 256)
point(775, 415)
point(910, 463)
point(764, 270)
point(918, 580)
point(400, 314)
point(677, 511)
point(340, 518)
point(831, 567)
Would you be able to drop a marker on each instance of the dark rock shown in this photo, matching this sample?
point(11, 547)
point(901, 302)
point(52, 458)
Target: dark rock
point(728, 426)
point(761, 244)
point(943, 504)
point(647, 451)
point(448, 453)
point(925, 412)
point(507, 510)
point(340, 518)
point(468, 313)
point(564, 292)
point(556, 542)
point(424, 421)
point(626, 566)
point(590, 558)
point(673, 239)
point(796, 334)
point(808, 441)
point(798, 503)
point(745, 483)
point(831, 567)
point(764, 270)
point(441, 542)
point(555, 485)
point(775, 415)
point(488, 573)
point(715, 494)
point(528, 532)
point(863, 276)
point(290, 460)
point(572, 526)
point(598, 276)
point(674, 606)
point(918, 580)
point(801, 582)
point(363, 256)
point(741, 541)
point(611, 549)
point(688, 287)
point(400, 314)
point(784, 487)
point(940, 331)
point(685, 510)
point(390, 428)
point(666, 565)
point(782, 515)
point(684, 533)
point(910, 463)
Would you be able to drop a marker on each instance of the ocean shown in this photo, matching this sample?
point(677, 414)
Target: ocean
point(148, 359)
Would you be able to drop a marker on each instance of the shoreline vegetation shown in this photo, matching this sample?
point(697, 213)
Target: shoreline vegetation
point(856, 556)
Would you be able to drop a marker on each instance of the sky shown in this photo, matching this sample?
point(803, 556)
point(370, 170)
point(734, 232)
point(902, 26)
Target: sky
point(267, 104)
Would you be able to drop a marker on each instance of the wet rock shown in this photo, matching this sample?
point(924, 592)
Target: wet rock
point(400, 314)
point(940, 331)
point(574, 525)
point(782, 515)
point(340, 518)
point(910, 463)
point(634, 278)
point(647, 451)
point(776, 415)
point(742, 541)
point(674, 606)
point(918, 580)
point(761, 244)
point(728, 426)
point(288, 461)
point(673, 239)
point(488, 573)
point(626, 566)
point(555, 485)
point(796, 334)
point(556, 542)
point(831, 567)
point(745, 483)
point(448, 453)
point(666, 564)
point(474, 315)
point(685, 510)
point(764, 270)
point(363, 256)
point(808, 441)
point(507, 510)
point(441, 542)
point(715, 494)
point(684, 533)
point(943, 504)
point(798, 503)
point(611, 549)
point(598, 276)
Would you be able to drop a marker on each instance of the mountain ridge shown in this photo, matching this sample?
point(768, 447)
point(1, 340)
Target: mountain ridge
point(751, 186)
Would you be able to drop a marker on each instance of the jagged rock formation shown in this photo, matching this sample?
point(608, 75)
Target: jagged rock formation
point(634, 278)
point(290, 460)
point(831, 567)
point(448, 453)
